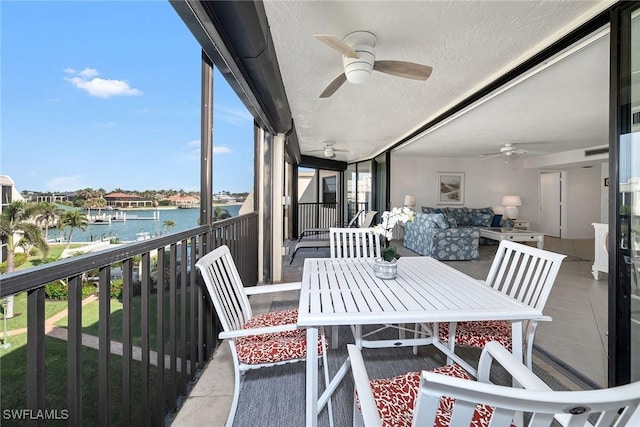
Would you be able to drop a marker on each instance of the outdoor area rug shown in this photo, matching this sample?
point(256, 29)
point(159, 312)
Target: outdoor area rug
point(276, 396)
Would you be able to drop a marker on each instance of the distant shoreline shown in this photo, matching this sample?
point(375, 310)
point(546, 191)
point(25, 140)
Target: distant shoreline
point(168, 208)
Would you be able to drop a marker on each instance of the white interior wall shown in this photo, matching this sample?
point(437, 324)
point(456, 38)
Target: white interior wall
point(486, 181)
point(583, 202)
point(604, 196)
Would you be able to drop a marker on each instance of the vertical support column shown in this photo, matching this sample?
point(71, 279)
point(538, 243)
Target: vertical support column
point(263, 144)
point(206, 141)
point(295, 213)
point(277, 208)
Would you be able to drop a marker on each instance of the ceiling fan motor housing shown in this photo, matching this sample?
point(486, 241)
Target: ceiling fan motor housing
point(363, 43)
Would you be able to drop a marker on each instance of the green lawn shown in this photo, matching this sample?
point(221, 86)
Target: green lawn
point(13, 360)
point(90, 319)
point(19, 319)
point(13, 383)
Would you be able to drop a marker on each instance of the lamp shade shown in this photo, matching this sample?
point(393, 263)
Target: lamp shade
point(409, 201)
point(511, 201)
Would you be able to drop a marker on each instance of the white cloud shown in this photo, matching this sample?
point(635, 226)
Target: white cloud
point(87, 73)
point(96, 86)
point(236, 117)
point(191, 150)
point(221, 150)
point(65, 183)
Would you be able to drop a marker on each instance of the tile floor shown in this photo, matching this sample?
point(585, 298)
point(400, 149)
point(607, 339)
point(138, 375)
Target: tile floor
point(577, 334)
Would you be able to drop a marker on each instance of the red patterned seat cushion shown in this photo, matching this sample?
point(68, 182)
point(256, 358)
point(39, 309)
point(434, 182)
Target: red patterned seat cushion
point(396, 399)
point(273, 347)
point(479, 333)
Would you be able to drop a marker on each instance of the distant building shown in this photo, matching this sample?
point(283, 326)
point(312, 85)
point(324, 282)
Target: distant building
point(184, 201)
point(9, 194)
point(123, 200)
point(223, 197)
point(52, 198)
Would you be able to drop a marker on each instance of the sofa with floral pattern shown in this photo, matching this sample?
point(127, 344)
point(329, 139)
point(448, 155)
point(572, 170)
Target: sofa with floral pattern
point(449, 233)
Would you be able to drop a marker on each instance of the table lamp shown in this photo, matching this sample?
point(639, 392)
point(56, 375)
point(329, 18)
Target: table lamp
point(511, 204)
point(410, 201)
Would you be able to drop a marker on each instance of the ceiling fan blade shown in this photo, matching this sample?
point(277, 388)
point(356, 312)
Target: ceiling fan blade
point(337, 44)
point(334, 86)
point(408, 70)
point(490, 156)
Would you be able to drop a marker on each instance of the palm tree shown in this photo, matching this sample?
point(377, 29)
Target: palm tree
point(168, 224)
point(220, 213)
point(74, 219)
point(47, 214)
point(14, 221)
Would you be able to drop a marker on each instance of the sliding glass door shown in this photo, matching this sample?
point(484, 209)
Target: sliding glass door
point(624, 280)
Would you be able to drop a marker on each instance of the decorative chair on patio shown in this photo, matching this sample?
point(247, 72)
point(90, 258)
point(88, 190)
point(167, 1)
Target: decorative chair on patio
point(526, 274)
point(256, 341)
point(352, 243)
point(447, 397)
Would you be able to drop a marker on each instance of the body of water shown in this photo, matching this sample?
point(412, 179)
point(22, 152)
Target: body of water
point(132, 228)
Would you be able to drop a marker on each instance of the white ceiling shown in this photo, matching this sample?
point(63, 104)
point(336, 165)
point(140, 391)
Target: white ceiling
point(468, 44)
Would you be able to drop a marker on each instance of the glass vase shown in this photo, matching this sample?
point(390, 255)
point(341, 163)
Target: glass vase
point(385, 269)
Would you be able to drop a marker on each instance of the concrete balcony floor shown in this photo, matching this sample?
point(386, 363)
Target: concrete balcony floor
point(577, 334)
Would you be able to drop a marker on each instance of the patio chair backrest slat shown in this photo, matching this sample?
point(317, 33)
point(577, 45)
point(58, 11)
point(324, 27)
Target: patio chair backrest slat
point(524, 272)
point(353, 243)
point(225, 288)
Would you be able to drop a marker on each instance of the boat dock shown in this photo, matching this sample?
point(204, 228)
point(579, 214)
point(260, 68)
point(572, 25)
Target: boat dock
point(118, 216)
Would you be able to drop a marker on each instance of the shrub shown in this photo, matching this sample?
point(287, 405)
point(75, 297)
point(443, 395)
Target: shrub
point(117, 285)
point(20, 258)
point(34, 252)
point(116, 288)
point(3, 267)
point(60, 290)
point(57, 290)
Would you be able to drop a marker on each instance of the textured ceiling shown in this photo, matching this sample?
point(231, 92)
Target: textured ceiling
point(468, 44)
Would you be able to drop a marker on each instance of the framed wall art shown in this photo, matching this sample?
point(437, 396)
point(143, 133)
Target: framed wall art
point(450, 189)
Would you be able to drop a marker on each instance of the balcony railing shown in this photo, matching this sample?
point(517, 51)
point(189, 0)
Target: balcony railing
point(317, 215)
point(167, 333)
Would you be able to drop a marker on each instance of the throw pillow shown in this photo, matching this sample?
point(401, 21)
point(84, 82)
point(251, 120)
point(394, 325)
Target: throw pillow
point(482, 219)
point(437, 219)
point(429, 210)
point(495, 221)
point(452, 222)
point(441, 221)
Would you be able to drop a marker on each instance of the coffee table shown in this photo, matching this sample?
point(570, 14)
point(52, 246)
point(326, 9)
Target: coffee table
point(513, 234)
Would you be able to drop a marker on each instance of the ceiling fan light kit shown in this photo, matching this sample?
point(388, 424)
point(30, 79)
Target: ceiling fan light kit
point(359, 60)
point(358, 69)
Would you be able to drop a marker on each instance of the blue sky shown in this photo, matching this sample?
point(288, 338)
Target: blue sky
point(107, 95)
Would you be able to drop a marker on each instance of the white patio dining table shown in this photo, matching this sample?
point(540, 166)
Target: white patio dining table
point(346, 292)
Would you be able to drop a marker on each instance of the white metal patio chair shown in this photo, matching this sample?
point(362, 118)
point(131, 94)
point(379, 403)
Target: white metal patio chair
point(256, 341)
point(526, 274)
point(352, 243)
point(447, 397)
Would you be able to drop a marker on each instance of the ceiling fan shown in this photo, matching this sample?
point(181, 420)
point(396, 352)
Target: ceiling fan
point(328, 151)
point(359, 59)
point(510, 151)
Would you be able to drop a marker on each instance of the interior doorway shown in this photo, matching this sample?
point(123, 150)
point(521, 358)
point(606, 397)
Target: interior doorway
point(551, 203)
